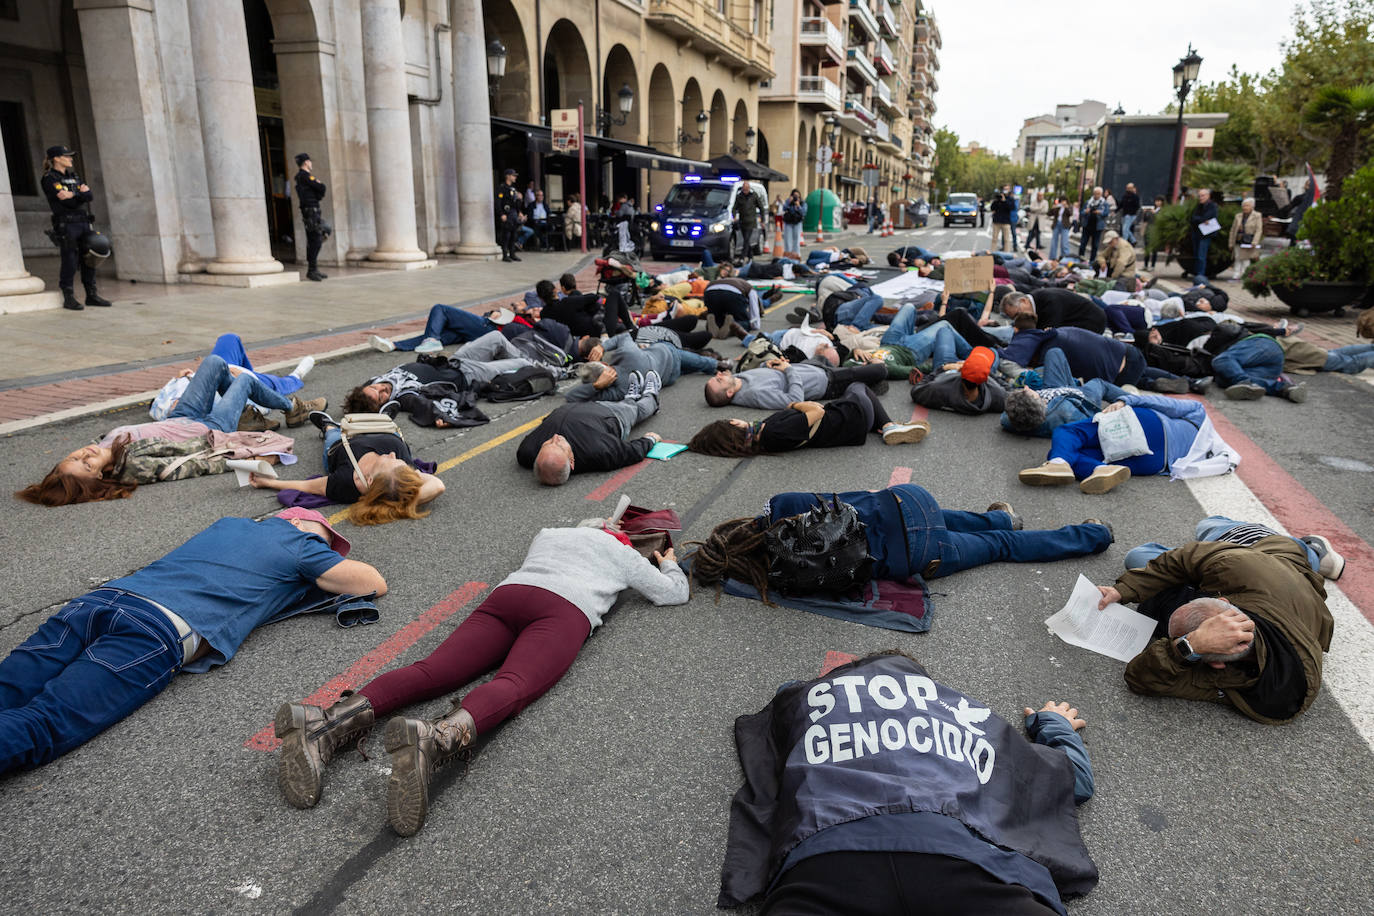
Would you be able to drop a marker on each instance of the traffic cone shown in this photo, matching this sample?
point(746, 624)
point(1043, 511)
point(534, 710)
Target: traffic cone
point(801, 239)
point(820, 231)
point(887, 228)
point(777, 240)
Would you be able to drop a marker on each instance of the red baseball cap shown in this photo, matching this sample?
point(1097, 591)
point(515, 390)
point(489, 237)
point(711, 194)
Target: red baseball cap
point(978, 365)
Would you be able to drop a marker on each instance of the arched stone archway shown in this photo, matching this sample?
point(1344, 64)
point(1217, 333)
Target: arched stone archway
point(619, 72)
point(567, 69)
point(719, 137)
point(739, 130)
point(662, 105)
point(762, 154)
point(810, 179)
point(514, 96)
point(693, 103)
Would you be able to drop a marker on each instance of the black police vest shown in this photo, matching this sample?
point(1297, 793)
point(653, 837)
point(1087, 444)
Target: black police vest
point(69, 181)
point(878, 737)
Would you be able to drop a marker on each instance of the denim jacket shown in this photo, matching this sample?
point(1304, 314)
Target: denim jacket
point(1069, 407)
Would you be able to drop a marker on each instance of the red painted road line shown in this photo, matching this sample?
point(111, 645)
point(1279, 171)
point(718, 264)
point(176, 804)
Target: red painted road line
point(365, 668)
point(615, 483)
point(1302, 513)
point(834, 659)
point(900, 475)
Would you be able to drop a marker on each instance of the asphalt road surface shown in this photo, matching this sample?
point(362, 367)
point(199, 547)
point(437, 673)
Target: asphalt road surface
point(611, 794)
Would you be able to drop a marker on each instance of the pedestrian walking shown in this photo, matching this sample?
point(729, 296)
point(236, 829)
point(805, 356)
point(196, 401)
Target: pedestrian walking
point(309, 192)
point(1001, 221)
point(1130, 212)
point(982, 212)
point(73, 231)
point(1036, 212)
point(509, 209)
point(1205, 225)
point(1247, 232)
point(1093, 222)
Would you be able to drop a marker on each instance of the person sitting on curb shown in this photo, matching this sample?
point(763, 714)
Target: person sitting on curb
point(530, 629)
point(106, 653)
point(908, 534)
point(591, 435)
point(1170, 426)
point(1242, 618)
point(780, 382)
point(911, 825)
point(847, 420)
point(383, 487)
point(213, 402)
point(963, 387)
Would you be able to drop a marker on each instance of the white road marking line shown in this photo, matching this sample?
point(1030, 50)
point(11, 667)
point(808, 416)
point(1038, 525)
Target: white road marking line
point(1345, 672)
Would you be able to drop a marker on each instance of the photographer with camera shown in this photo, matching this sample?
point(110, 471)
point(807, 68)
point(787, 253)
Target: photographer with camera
point(69, 197)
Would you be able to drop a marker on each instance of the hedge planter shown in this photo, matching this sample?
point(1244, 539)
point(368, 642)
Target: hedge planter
point(1320, 296)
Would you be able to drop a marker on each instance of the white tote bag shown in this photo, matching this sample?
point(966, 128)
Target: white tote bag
point(1120, 435)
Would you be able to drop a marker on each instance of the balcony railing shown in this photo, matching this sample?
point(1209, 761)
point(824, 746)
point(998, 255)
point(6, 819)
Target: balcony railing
point(817, 90)
point(858, 10)
point(817, 31)
point(855, 107)
point(887, 21)
point(883, 92)
point(884, 59)
point(859, 60)
point(883, 131)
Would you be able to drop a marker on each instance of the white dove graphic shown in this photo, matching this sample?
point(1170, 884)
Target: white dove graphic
point(967, 715)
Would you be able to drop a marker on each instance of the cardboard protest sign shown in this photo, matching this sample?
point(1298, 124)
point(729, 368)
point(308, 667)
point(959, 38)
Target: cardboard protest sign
point(968, 275)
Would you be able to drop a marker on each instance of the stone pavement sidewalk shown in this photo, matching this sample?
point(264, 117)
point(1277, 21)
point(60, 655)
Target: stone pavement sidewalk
point(59, 364)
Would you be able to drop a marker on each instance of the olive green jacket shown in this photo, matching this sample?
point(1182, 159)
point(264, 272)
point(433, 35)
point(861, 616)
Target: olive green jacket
point(1271, 579)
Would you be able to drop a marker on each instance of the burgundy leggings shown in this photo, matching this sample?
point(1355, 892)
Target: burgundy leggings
point(531, 633)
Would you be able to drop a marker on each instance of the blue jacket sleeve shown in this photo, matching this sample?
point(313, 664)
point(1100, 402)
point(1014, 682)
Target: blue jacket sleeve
point(1053, 730)
point(1173, 408)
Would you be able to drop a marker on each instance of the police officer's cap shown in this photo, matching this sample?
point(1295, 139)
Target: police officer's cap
point(60, 150)
point(511, 172)
point(301, 158)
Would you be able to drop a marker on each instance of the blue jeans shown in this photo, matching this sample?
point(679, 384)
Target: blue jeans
point(88, 666)
point(977, 538)
point(859, 312)
point(791, 236)
point(949, 346)
point(902, 332)
point(1350, 360)
point(1203, 244)
point(1210, 528)
point(450, 326)
point(1057, 374)
point(332, 437)
point(212, 377)
point(229, 347)
point(1059, 242)
point(1127, 222)
point(819, 256)
point(1258, 360)
point(523, 235)
point(692, 361)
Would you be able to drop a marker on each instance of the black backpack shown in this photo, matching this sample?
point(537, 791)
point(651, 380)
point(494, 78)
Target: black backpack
point(822, 550)
point(524, 384)
point(831, 306)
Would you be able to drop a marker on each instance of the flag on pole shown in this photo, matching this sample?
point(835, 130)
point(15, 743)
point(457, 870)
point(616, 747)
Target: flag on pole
point(1312, 177)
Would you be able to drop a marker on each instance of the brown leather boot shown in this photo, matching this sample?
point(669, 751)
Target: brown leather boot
point(417, 748)
point(310, 736)
point(300, 410)
point(251, 421)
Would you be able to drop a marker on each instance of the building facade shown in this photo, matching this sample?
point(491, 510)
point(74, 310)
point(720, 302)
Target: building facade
point(187, 116)
point(1047, 137)
point(855, 85)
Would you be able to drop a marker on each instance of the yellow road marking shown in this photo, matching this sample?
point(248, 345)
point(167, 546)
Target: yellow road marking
point(777, 305)
point(466, 456)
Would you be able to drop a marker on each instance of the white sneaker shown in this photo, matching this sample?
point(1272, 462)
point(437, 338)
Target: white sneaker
point(903, 433)
point(653, 383)
point(380, 344)
point(429, 345)
point(303, 367)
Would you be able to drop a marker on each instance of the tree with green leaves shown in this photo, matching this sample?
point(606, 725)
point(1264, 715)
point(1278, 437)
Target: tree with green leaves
point(1346, 114)
point(949, 163)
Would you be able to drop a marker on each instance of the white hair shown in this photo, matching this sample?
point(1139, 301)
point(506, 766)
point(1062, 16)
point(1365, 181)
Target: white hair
point(1248, 200)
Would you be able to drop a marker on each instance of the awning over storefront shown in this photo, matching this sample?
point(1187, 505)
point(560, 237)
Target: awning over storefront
point(745, 168)
point(540, 140)
point(845, 179)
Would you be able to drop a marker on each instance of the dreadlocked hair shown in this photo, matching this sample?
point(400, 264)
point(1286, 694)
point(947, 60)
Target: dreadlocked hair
point(733, 550)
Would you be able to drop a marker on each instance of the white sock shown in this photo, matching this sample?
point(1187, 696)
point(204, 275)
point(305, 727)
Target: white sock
point(303, 367)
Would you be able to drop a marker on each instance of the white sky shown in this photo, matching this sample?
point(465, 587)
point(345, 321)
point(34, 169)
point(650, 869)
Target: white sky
point(1004, 60)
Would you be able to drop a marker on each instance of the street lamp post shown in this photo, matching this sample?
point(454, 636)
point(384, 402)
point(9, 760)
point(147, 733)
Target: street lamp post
point(496, 65)
point(749, 136)
point(1185, 74)
point(625, 100)
point(684, 138)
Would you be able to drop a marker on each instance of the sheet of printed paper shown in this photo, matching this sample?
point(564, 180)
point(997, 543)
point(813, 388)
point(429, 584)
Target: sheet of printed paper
point(242, 467)
point(1116, 631)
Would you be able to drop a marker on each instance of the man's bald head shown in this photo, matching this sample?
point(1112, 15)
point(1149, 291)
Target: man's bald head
point(553, 465)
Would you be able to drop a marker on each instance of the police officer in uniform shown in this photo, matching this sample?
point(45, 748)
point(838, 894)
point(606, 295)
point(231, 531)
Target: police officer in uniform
point(70, 197)
point(509, 206)
point(309, 192)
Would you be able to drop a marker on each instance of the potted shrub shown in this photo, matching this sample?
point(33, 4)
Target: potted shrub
point(1332, 269)
point(1171, 231)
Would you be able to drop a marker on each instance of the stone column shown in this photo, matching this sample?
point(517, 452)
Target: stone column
point(20, 291)
point(388, 137)
point(472, 129)
point(233, 164)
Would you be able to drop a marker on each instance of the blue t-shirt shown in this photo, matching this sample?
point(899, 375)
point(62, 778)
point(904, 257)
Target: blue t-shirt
point(232, 577)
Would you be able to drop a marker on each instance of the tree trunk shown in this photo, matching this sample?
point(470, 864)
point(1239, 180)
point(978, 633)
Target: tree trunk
point(1342, 161)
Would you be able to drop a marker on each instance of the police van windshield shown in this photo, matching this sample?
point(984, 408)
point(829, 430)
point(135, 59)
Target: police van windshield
point(697, 197)
point(970, 199)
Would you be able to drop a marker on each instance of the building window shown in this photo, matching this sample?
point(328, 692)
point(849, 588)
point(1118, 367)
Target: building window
point(16, 138)
point(722, 7)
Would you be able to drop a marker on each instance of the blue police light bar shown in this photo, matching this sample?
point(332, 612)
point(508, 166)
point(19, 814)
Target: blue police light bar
point(667, 229)
point(729, 178)
point(658, 207)
point(691, 178)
